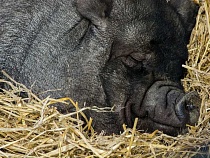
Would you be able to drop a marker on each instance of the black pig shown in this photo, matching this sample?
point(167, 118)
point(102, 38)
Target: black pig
point(126, 54)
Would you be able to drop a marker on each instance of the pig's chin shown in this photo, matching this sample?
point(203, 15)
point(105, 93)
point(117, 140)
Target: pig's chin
point(150, 125)
point(165, 108)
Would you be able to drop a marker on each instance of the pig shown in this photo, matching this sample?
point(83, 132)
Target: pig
point(123, 54)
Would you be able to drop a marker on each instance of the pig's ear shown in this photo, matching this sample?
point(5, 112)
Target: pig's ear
point(188, 10)
point(94, 10)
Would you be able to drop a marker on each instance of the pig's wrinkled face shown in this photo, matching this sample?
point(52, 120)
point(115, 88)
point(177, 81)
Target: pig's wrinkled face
point(143, 73)
point(147, 76)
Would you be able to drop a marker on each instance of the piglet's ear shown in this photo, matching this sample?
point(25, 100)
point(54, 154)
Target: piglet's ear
point(94, 10)
point(188, 10)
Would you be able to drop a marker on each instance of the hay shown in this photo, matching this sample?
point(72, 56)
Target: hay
point(30, 129)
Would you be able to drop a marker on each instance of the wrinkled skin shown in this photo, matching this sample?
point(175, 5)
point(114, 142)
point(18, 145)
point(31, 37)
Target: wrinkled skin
point(123, 53)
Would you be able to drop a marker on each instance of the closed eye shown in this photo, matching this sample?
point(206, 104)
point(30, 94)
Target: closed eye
point(131, 62)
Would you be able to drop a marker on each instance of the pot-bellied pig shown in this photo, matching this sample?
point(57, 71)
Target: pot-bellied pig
point(125, 54)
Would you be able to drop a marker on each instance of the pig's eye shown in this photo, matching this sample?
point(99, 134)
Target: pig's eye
point(131, 62)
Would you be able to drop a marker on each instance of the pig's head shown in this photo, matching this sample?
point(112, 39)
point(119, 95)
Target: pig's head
point(141, 77)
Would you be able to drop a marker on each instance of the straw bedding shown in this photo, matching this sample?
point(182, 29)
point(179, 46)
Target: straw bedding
point(28, 128)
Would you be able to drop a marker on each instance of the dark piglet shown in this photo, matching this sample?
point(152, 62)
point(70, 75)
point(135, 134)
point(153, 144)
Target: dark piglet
point(122, 53)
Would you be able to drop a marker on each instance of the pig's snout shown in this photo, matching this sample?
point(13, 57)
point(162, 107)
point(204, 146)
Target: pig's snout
point(165, 107)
